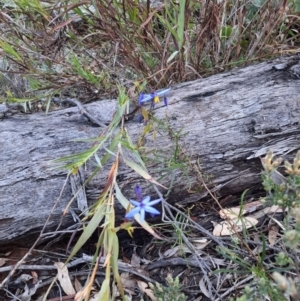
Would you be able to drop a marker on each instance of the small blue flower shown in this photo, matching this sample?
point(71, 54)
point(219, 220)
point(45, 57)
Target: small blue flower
point(142, 207)
point(154, 97)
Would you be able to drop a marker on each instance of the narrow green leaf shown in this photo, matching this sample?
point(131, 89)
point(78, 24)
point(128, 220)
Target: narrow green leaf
point(110, 152)
point(146, 226)
point(106, 157)
point(137, 168)
point(226, 31)
point(114, 265)
point(173, 10)
point(12, 99)
point(10, 50)
point(104, 292)
point(172, 56)
point(89, 230)
point(97, 139)
point(172, 31)
point(48, 102)
point(180, 24)
point(80, 157)
point(121, 198)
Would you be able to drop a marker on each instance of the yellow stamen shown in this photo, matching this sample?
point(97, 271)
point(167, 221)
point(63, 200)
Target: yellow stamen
point(156, 99)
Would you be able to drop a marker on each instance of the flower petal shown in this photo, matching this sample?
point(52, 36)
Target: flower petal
point(144, 98)
point(133, 212)
point(166, 101)
point(163, 92)
point(135, 203)
point(153, 202)
point(141, 98)
point(146, 200)
point(151, 210)
point(142, 213)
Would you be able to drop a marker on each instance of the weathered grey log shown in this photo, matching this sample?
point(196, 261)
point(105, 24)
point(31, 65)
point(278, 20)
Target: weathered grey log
point(227, 122)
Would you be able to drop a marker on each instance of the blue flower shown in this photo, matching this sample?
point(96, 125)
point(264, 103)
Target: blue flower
point(138, 193)
point(154, 97)
point(142, 207)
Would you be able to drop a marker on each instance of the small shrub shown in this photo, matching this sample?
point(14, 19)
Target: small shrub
point(172, 292)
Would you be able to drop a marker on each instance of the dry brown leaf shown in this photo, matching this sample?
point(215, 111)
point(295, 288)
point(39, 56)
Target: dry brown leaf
point(127, 281)
point(259, 214)
point(35, 277)
point(77, 285)
point(64, 279)
point(129, 291)
point(253, 206)
point(143, 287)
point(268, 210)
point(272, 235)
point(258, 249)
point(276, 209)
point(225, 228)
point(203, 287)
point(135, 260)
point(3, 261)
point(233, 212)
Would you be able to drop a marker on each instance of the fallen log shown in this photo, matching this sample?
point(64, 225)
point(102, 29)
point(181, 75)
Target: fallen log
point(226, 123)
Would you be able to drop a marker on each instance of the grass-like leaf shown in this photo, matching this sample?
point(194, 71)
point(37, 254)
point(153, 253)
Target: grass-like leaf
point(89, 229)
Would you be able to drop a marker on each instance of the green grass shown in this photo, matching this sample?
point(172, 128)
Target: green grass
point(73, 48)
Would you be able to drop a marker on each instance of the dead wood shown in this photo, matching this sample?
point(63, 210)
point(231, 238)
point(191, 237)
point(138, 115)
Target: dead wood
point(227, 121)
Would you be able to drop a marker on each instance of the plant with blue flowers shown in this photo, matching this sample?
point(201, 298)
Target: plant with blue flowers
point(142, 205)
point(102, 214)
point(152, 99)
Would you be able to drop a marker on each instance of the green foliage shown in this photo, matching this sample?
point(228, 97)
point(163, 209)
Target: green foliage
point(271, 281)
point(110, 147)
point(226, 32)
point(284, 192)
point(283, 259)
point(171, 292)
point(79, 50)
point(263, 288)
